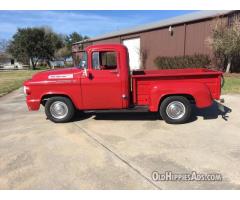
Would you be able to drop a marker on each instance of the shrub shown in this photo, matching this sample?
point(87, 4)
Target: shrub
point(177, 62)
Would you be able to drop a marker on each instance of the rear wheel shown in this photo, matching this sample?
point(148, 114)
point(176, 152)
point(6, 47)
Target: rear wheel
point(59, 109)
point(175, 109)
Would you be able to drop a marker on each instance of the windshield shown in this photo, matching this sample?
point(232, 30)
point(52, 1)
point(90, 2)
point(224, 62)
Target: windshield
point(83, 61)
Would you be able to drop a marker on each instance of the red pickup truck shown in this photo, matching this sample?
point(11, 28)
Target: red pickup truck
point(103, 81)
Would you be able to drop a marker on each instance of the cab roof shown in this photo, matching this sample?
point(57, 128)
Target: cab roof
point(106, 46)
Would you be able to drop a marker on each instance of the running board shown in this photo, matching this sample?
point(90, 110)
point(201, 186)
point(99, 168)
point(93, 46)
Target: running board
point(131, 109)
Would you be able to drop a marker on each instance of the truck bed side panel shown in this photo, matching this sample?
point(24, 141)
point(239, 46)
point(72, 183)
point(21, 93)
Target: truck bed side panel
point(203, 85)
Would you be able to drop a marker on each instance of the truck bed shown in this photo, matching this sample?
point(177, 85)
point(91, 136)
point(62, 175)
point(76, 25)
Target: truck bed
point(144, 80)
point(173, 72)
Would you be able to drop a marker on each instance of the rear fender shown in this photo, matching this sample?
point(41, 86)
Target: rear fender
point(198, 91)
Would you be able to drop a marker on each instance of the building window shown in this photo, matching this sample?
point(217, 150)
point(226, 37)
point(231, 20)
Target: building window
point(12, 62)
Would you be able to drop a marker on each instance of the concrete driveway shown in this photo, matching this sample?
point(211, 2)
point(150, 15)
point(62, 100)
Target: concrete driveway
point(116, 150)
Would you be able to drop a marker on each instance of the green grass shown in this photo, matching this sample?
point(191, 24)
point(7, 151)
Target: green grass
point(232, 85)
point(12, 80)
point(42, 68)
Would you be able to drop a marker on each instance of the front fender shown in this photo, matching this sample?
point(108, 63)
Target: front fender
point(199, 91)
point(74, 100)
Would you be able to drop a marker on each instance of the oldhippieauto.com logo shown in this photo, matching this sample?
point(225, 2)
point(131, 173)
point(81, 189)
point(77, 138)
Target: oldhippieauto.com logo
point(193, 176)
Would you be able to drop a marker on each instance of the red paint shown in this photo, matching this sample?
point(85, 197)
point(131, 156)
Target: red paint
point(105, 89)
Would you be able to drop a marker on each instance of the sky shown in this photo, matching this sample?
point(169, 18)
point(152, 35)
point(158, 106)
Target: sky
point(90, 23)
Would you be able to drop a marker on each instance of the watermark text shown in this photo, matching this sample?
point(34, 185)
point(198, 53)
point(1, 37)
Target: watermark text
point(193, 176)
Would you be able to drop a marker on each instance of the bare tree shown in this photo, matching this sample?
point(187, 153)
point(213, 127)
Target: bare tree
point(3, 45)
point(225, 41)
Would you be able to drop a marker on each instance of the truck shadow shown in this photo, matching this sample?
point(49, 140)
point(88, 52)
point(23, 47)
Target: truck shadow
point(213, 112)
point(122, 116)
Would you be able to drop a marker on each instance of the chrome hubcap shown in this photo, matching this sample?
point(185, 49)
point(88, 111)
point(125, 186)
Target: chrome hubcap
point(59, 109)
point(175, 110)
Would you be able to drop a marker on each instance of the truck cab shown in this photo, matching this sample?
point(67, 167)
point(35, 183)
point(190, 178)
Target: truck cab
point(105, 82)
point(102, 81)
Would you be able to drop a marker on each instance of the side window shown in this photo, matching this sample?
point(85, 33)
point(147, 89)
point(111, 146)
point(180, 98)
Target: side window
point(95, 60)
point(106, 60)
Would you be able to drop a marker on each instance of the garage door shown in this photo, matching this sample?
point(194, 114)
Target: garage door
point(133, 46)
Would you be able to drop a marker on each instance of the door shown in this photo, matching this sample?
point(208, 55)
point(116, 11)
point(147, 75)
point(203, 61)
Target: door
point(133, 46)
point(102, 88)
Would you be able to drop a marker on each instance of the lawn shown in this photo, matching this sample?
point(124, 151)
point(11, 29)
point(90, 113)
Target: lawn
point(232, 84)
point(11, 80)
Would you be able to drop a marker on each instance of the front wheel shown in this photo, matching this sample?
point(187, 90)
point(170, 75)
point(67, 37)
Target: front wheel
point(175, 109)
point(59, 109)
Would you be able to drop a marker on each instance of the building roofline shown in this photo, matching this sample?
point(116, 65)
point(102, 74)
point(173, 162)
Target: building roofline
point(195, 16)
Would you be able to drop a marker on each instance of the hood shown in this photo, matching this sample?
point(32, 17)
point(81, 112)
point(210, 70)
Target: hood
point(58, 74)
point(66, 73)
